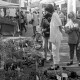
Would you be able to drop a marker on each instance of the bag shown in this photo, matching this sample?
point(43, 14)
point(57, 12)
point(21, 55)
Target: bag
point(31, 22)
point(78, 35)
point(78, 48)
point(44, 22)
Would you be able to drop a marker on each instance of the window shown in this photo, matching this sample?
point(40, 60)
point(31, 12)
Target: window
point(12, 1)
point(15, 1)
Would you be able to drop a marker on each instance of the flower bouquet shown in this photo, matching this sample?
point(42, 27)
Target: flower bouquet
point(15, 50)
point(70, 26)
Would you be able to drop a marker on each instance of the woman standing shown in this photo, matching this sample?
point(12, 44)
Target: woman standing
point(55, 38)
point(45, 24)
point(73, 31)
point(35, 22)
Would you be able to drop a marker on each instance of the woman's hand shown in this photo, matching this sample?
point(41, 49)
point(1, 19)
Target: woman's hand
point(60, 28)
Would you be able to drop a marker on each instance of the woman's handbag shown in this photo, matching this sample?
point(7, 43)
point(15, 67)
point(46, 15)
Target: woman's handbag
point(31, 22)
point(78, 47)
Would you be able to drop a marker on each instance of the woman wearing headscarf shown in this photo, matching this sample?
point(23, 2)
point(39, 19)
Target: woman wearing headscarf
point(72, 28)
point(55, 38)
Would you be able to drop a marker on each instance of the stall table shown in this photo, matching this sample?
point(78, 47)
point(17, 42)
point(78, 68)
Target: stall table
point(7, 26)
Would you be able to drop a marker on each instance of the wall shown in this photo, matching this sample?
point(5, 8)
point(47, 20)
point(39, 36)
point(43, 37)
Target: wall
point(71, 6)
point(23, 3)
point(59, 2)
point(12, 1)
point(78, 3)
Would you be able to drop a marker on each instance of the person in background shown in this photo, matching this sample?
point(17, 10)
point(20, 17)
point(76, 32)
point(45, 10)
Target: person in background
point(17, 18)
point(35, 22)
point(29, 17)
point(73, 32)
point(45, 24)
point(38, 17)
point(62, 17)
point(26, 21)
point(22, 22)
point(8, 14)
point(55, 38)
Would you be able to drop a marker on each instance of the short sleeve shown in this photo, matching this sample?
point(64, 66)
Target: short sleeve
point(56, 20)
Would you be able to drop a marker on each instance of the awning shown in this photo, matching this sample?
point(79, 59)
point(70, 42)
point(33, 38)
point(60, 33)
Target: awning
point(33, 1)
point(47, 1)
point(7, 4)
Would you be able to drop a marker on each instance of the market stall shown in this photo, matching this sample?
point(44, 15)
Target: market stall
point(8, 24)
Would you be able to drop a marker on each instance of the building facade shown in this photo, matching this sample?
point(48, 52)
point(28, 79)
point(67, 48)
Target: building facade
point(23, 3)
point(12, 1)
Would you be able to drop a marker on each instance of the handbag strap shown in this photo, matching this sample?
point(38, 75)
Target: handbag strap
point(78, 34)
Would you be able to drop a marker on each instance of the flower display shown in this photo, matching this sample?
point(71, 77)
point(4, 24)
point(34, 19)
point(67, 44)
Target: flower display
point(70, 26)
point(22, 53)
point(19, 48)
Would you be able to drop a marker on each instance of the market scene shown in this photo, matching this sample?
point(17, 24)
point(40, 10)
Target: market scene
point(39, 39)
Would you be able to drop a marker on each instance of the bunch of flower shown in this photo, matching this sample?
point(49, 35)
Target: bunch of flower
point(70, 26)
point(15, 49)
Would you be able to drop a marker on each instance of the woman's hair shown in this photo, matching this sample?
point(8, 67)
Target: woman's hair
point(49, 8)
point(71, 15)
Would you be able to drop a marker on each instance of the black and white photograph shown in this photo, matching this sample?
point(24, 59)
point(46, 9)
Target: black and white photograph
point(39, 39)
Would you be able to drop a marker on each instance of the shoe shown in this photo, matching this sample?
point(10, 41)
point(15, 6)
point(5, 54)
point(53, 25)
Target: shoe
point(54, 68)
point(71, 63)
point(79, 64)
point(51, 60)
